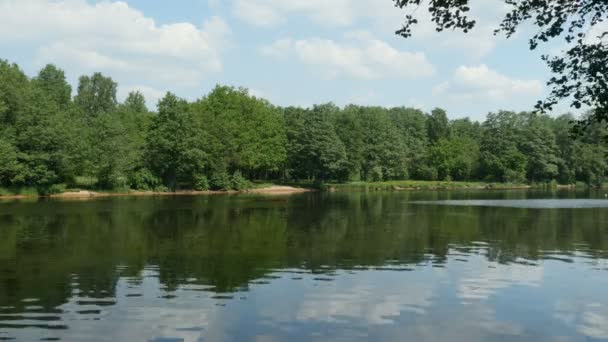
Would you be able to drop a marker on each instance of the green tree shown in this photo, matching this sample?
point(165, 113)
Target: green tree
point(591, 153)
point(382, 154)
point(455, 158)
point(562, 128)
point(351, 133)
point(96, 94)
point(52, 81)
point(135, 103)
point(174, 150)
point(437, 125)
point(466, 128)
point(14, 89)
point(244, 133)
point(411, 125)
point(539, 145)
point(501, 159)
point(320, 154)
point(9, 164)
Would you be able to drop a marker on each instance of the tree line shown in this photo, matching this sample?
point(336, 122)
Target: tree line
point(50, 141)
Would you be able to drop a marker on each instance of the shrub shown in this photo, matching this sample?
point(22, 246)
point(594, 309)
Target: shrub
point(56, 189)
point(27, 191)
point(161, 188)
point(428, 173)
point(201, 183)
point(514, 176)
point(144, 179)
point(376, 174)
point(239, 182)
point(220, 181)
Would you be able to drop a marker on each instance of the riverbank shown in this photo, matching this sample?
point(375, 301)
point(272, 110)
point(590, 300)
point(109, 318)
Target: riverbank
point(84, 194)
point(270, 189)
point(437, 185)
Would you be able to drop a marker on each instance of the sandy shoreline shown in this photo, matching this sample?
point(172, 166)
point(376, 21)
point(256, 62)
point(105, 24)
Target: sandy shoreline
point(83, 194)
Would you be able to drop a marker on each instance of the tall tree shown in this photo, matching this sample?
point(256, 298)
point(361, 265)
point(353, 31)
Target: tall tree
point(501, 159)
point(411, 125)
point(539, 145)
point(562, 128)
point(455, 158)
point(321, 155)
point(465, 128)
point(247, 134)
point(174, 150)
point(382, 154)
point(438, 125)
point(134, 103)
point(52, 81)
point(96, 94)
point(14, 89)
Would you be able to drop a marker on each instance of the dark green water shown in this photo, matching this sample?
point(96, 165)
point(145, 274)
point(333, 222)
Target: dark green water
point(312, 267)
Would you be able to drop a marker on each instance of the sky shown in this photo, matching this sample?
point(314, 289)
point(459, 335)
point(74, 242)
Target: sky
point(290, 52)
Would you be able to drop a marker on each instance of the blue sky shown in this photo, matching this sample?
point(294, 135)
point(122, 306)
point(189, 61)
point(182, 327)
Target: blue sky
point(296, 52)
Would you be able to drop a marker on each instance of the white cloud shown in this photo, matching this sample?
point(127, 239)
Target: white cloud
point(590, 319)
point(484, 282)
point(360, 58)
point(482, 83)
point(115, 38)
point(366, 299)
point(270, 13)
point(384, 16)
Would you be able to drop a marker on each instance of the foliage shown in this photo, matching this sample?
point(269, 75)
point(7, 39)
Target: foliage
point(238, 182)
point(316, 151)
point(220, 180)
point(230, 140)
point(201, 183)
point(241, 132)
point(579, 73)
point(174, 151)
point(144, 179)
point(454, 158)
point(96, 94)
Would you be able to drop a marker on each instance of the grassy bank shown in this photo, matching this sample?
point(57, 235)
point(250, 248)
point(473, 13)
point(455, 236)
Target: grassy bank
point(286, 188)
point(258, 188)
point(435, 185)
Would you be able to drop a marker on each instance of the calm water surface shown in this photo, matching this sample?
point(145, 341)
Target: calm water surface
point(312, 267)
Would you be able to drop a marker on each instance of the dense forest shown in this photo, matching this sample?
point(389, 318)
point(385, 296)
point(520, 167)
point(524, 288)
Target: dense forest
point(51, 140)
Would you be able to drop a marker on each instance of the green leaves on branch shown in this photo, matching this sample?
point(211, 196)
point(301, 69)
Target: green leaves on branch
point(580, 73)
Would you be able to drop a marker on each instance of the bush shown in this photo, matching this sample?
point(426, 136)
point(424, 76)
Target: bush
point(220, 181)
point(515, 177)
point(112, 180)
point(428, 173)
point(239, 182)
point(27, 191)
point(161, 188)
point(201, 183)
point(376, 174)
point(84, 182)
point(144, 179)
point(56, 189)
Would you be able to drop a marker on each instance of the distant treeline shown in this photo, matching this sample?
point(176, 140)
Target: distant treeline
point(50, 140)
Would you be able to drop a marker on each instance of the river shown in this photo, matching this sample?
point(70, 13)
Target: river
point(384, 266)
